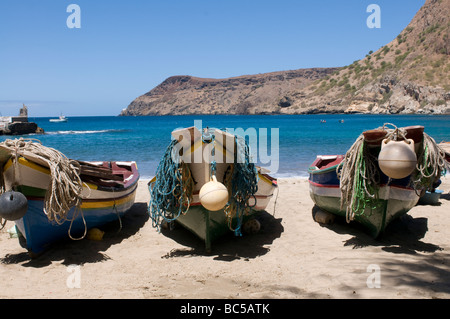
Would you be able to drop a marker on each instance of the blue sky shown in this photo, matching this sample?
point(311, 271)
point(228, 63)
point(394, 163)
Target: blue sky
point(125, 48)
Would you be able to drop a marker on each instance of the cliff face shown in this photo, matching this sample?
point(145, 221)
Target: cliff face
point(408, 75)
point(252, 94)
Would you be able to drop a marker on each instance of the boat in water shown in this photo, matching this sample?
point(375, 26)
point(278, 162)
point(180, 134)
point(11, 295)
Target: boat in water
point(376, 182)
point(207, 183)
point(51, 197)
point(61, 118)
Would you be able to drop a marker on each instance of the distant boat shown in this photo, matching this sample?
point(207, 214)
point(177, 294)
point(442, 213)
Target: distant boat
point(61, 118)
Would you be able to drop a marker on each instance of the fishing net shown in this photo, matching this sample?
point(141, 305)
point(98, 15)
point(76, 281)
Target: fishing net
point(172, 189)
point(360, 176)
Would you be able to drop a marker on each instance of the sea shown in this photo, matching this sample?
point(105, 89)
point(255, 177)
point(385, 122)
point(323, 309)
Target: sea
point(286, 144)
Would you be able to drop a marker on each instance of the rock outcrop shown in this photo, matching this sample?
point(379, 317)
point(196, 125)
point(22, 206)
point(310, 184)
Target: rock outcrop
point(252, 94)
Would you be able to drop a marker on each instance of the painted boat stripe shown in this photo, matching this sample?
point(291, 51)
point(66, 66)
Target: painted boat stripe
point(323, 185)
point(108, 203)
point(98, 203)
point(25, 162)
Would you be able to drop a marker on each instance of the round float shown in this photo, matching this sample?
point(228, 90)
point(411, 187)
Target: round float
point(397, 159)
point(13, 205)
point(213, 195)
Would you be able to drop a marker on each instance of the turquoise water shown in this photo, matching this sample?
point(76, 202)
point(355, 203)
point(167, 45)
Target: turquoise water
point(301, 137)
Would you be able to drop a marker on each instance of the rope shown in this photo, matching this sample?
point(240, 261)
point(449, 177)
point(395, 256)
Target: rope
point(430, 166)
point(64, 190)
point(242, 184)
point(78, 211)
point(360, 176)
point(171, 193)
point(2, 190)
point(359, 179)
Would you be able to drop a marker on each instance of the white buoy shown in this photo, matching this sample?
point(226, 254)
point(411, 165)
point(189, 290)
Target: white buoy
point(397, 159)
point(213, 195)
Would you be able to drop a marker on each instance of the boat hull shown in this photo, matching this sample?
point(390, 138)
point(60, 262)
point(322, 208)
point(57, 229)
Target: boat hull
point(100, 204)
point(40, 233)
point(394, 200)
point(208, 225)
point(205, 224)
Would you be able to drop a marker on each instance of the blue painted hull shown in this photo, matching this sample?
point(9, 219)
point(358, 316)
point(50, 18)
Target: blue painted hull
point(40, 233)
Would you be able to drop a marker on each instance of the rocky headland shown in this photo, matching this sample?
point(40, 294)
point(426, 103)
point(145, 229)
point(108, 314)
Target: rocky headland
point(409, 75)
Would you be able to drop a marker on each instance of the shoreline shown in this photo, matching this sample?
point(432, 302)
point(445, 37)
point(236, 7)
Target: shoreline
point(292, 257)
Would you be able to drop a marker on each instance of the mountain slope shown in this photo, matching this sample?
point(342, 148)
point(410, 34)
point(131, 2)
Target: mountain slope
point(411, 74)
point(262, 93)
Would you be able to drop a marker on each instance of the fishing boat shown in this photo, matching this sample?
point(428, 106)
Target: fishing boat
point(61, 118)
point(63, 198)
point(360, 187)
point(207, 183)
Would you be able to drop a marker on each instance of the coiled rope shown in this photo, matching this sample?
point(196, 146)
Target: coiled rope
point(242, 184)
point(64, 190)
point(171, 193)
point(431, 165)
point(359, 179)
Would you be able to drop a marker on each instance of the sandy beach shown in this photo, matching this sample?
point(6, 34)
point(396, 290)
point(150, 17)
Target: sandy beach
point(291, 257)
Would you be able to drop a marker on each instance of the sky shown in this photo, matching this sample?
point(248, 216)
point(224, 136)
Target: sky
point(123, 49)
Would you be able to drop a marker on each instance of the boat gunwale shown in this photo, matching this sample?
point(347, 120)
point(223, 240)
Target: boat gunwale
point(90, 185)
point(315, 166)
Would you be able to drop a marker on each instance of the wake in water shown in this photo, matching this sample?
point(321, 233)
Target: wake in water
point(86, 132)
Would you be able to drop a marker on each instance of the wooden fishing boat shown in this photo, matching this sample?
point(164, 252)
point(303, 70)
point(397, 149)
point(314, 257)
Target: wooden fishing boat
point(199, 153)
point(394, 199)
point(107, 191)
point(389, 197)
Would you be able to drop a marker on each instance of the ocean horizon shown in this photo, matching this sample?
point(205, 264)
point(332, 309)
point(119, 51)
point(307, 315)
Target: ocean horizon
point(293, 141)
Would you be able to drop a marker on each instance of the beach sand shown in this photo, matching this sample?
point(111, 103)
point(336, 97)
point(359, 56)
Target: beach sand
point(291, 257)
